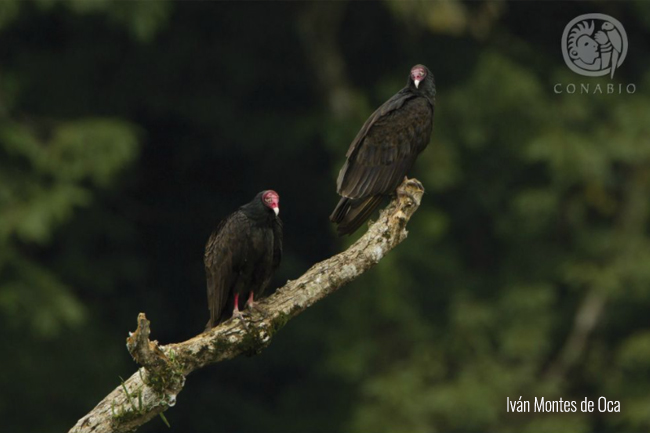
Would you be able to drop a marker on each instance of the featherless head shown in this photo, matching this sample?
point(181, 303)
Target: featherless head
point(418, 74)
point(422, 79)
point(271, 199)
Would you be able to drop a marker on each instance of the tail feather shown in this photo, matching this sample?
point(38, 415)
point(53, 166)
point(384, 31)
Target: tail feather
point(350, 214)
point(341, 210)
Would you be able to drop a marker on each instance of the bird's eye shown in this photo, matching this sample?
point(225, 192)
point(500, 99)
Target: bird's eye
point(267, 199)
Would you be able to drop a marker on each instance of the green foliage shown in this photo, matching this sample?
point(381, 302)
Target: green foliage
point(46, 176)
point(8, 11)
point(541, 193)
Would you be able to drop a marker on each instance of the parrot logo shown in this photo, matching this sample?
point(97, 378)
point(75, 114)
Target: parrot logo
point(594, 45)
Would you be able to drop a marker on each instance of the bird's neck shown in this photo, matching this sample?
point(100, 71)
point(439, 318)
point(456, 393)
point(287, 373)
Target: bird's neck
point(257, 215)
point(426, 91)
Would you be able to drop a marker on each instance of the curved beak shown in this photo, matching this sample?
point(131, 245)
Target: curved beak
point(276, 209)
point(417, 83)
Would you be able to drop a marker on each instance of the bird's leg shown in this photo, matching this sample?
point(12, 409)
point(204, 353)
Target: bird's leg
point(235, 311)
point(238, 314)
point(250, 303)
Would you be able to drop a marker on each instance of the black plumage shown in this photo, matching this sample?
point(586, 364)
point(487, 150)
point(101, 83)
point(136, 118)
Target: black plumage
point(241, 256)
point(384, 150)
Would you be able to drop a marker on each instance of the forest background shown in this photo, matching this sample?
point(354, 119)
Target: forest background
point(128, 129)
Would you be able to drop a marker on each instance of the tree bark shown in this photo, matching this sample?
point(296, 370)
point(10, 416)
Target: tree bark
point(154, 387)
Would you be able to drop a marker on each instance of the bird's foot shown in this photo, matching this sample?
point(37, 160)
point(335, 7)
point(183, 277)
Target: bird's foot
point(411, 188)
point(417, 183)
point(238, 315)
point(413, 181)
point(250, 303)
point(255, 306)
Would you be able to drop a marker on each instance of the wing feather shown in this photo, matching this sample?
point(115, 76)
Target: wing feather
point(223, 252)
point(386, 147)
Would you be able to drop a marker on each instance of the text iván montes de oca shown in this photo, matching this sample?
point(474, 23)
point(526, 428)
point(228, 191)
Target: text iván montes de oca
point(543, 405)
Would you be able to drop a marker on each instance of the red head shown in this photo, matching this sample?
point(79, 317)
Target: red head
point(418, 74)
point(271, 199)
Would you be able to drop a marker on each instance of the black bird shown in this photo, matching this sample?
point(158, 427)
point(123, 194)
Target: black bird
point(384, 150)
point(241, 256)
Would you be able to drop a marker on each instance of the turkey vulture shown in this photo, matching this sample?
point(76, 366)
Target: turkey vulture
point(384, 150)
point(241, 256)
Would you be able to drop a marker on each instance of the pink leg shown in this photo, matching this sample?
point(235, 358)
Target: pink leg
point(235, 311)
point(252, 304)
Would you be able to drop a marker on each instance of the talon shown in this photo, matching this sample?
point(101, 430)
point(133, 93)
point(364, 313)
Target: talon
point(236, 314)
point(259, 309)
point(409, 195)
point(250, 303)
point(240, 316)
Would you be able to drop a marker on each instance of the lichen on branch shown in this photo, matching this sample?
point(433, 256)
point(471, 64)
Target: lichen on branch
point(154, 387)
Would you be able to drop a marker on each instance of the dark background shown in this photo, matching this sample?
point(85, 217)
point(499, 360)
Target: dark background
point(129, 129)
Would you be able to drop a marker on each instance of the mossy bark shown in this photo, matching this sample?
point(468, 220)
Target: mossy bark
point(153, 389)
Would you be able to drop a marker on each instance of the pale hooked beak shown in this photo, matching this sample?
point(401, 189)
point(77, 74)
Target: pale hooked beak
point(276, 210)
point(417, 83)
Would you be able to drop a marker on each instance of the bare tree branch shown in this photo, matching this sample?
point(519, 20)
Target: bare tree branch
point(586, 319)
point(630, 221)
point(154, 387)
